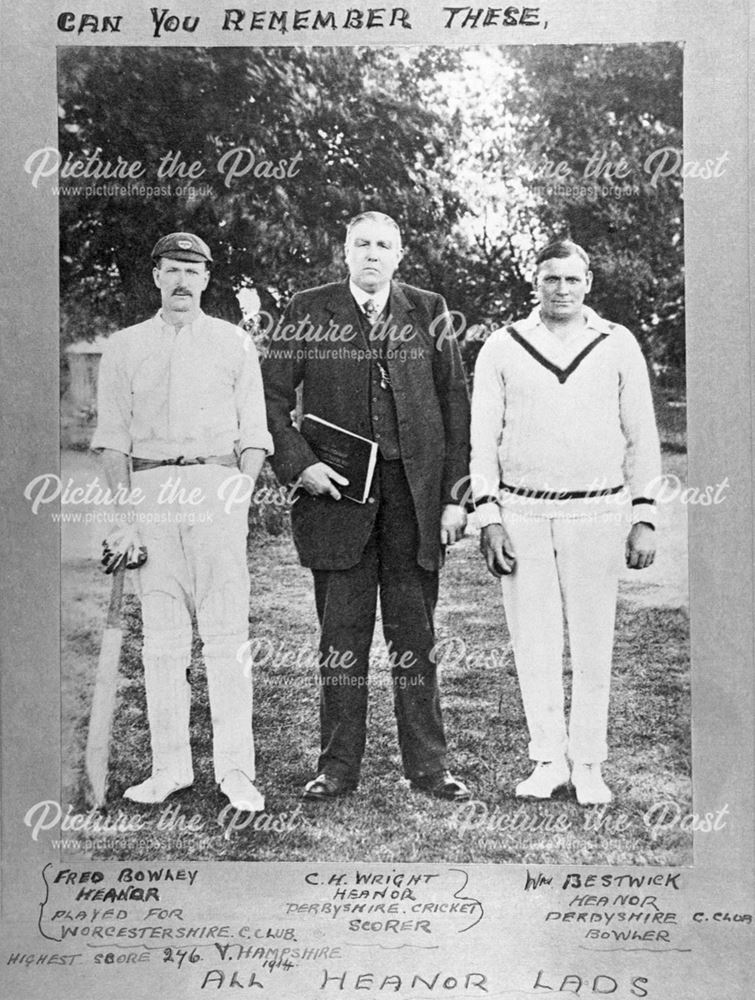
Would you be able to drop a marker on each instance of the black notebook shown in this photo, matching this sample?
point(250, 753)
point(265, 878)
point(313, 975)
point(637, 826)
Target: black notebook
point(349, 454)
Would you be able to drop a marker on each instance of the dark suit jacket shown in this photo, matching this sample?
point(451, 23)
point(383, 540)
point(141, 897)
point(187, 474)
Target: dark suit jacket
point(316, 346)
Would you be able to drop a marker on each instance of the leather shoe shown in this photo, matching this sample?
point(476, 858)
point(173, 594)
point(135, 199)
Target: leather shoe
point(442, 786)
point(326, 786)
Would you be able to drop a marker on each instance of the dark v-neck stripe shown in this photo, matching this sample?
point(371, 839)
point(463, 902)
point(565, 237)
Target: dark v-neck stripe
point(562, 374)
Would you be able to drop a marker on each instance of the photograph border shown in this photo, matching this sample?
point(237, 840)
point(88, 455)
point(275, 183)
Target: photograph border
point(711, 954)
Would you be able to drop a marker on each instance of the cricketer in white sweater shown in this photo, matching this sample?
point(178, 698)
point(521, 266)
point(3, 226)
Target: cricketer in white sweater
point(552, 417)
point(563, 435)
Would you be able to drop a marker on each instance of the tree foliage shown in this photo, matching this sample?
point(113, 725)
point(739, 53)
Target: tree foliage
point(350, 120)
point(587, 104)
point(454, 143)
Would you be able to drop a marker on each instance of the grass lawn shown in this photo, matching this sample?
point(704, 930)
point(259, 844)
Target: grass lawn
point(384, 821)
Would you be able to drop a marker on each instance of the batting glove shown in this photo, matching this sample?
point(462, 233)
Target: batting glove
point(123, 545)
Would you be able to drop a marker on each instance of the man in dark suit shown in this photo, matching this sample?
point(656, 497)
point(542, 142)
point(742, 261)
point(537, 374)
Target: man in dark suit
point(378, 358)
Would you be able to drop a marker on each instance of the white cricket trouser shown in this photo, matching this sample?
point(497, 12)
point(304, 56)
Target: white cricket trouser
point(564, 566)
point(196, 562)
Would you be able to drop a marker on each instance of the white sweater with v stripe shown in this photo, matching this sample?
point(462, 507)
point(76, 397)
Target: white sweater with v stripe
point(555, 419)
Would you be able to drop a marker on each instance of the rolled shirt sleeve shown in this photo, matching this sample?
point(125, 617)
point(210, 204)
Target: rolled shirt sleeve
point(113, 400)
point(165, 393)
point(249, 397)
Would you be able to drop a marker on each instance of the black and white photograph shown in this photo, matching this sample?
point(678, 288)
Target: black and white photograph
point(469, 262)
point(377, 539)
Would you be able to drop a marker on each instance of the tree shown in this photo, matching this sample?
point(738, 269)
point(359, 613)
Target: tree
point(588, 107)
point(348, 123)
point(459, 145)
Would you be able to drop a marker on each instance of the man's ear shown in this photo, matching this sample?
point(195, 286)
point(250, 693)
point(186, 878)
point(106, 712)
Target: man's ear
point(588, 282)
point(155, 273)
point(206, 277)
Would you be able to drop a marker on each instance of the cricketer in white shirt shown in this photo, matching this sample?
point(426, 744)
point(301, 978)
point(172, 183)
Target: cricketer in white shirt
point(563, 437)
point(181, 414)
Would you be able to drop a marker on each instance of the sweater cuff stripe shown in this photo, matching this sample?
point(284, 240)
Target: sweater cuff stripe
point(639, 500)
point(481, 500)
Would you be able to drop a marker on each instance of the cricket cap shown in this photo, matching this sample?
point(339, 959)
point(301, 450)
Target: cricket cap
point(182, 246)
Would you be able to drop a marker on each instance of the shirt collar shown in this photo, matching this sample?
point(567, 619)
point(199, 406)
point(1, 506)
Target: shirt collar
point(380, 298)
point(197, 325)
point(592, 321)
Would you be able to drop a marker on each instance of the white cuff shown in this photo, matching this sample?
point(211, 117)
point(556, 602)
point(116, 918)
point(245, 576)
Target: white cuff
point(646, 512)
point(488, 513)
point(113, 440)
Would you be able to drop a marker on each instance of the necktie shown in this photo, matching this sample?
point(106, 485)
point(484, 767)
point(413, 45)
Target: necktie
point(370, 310)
